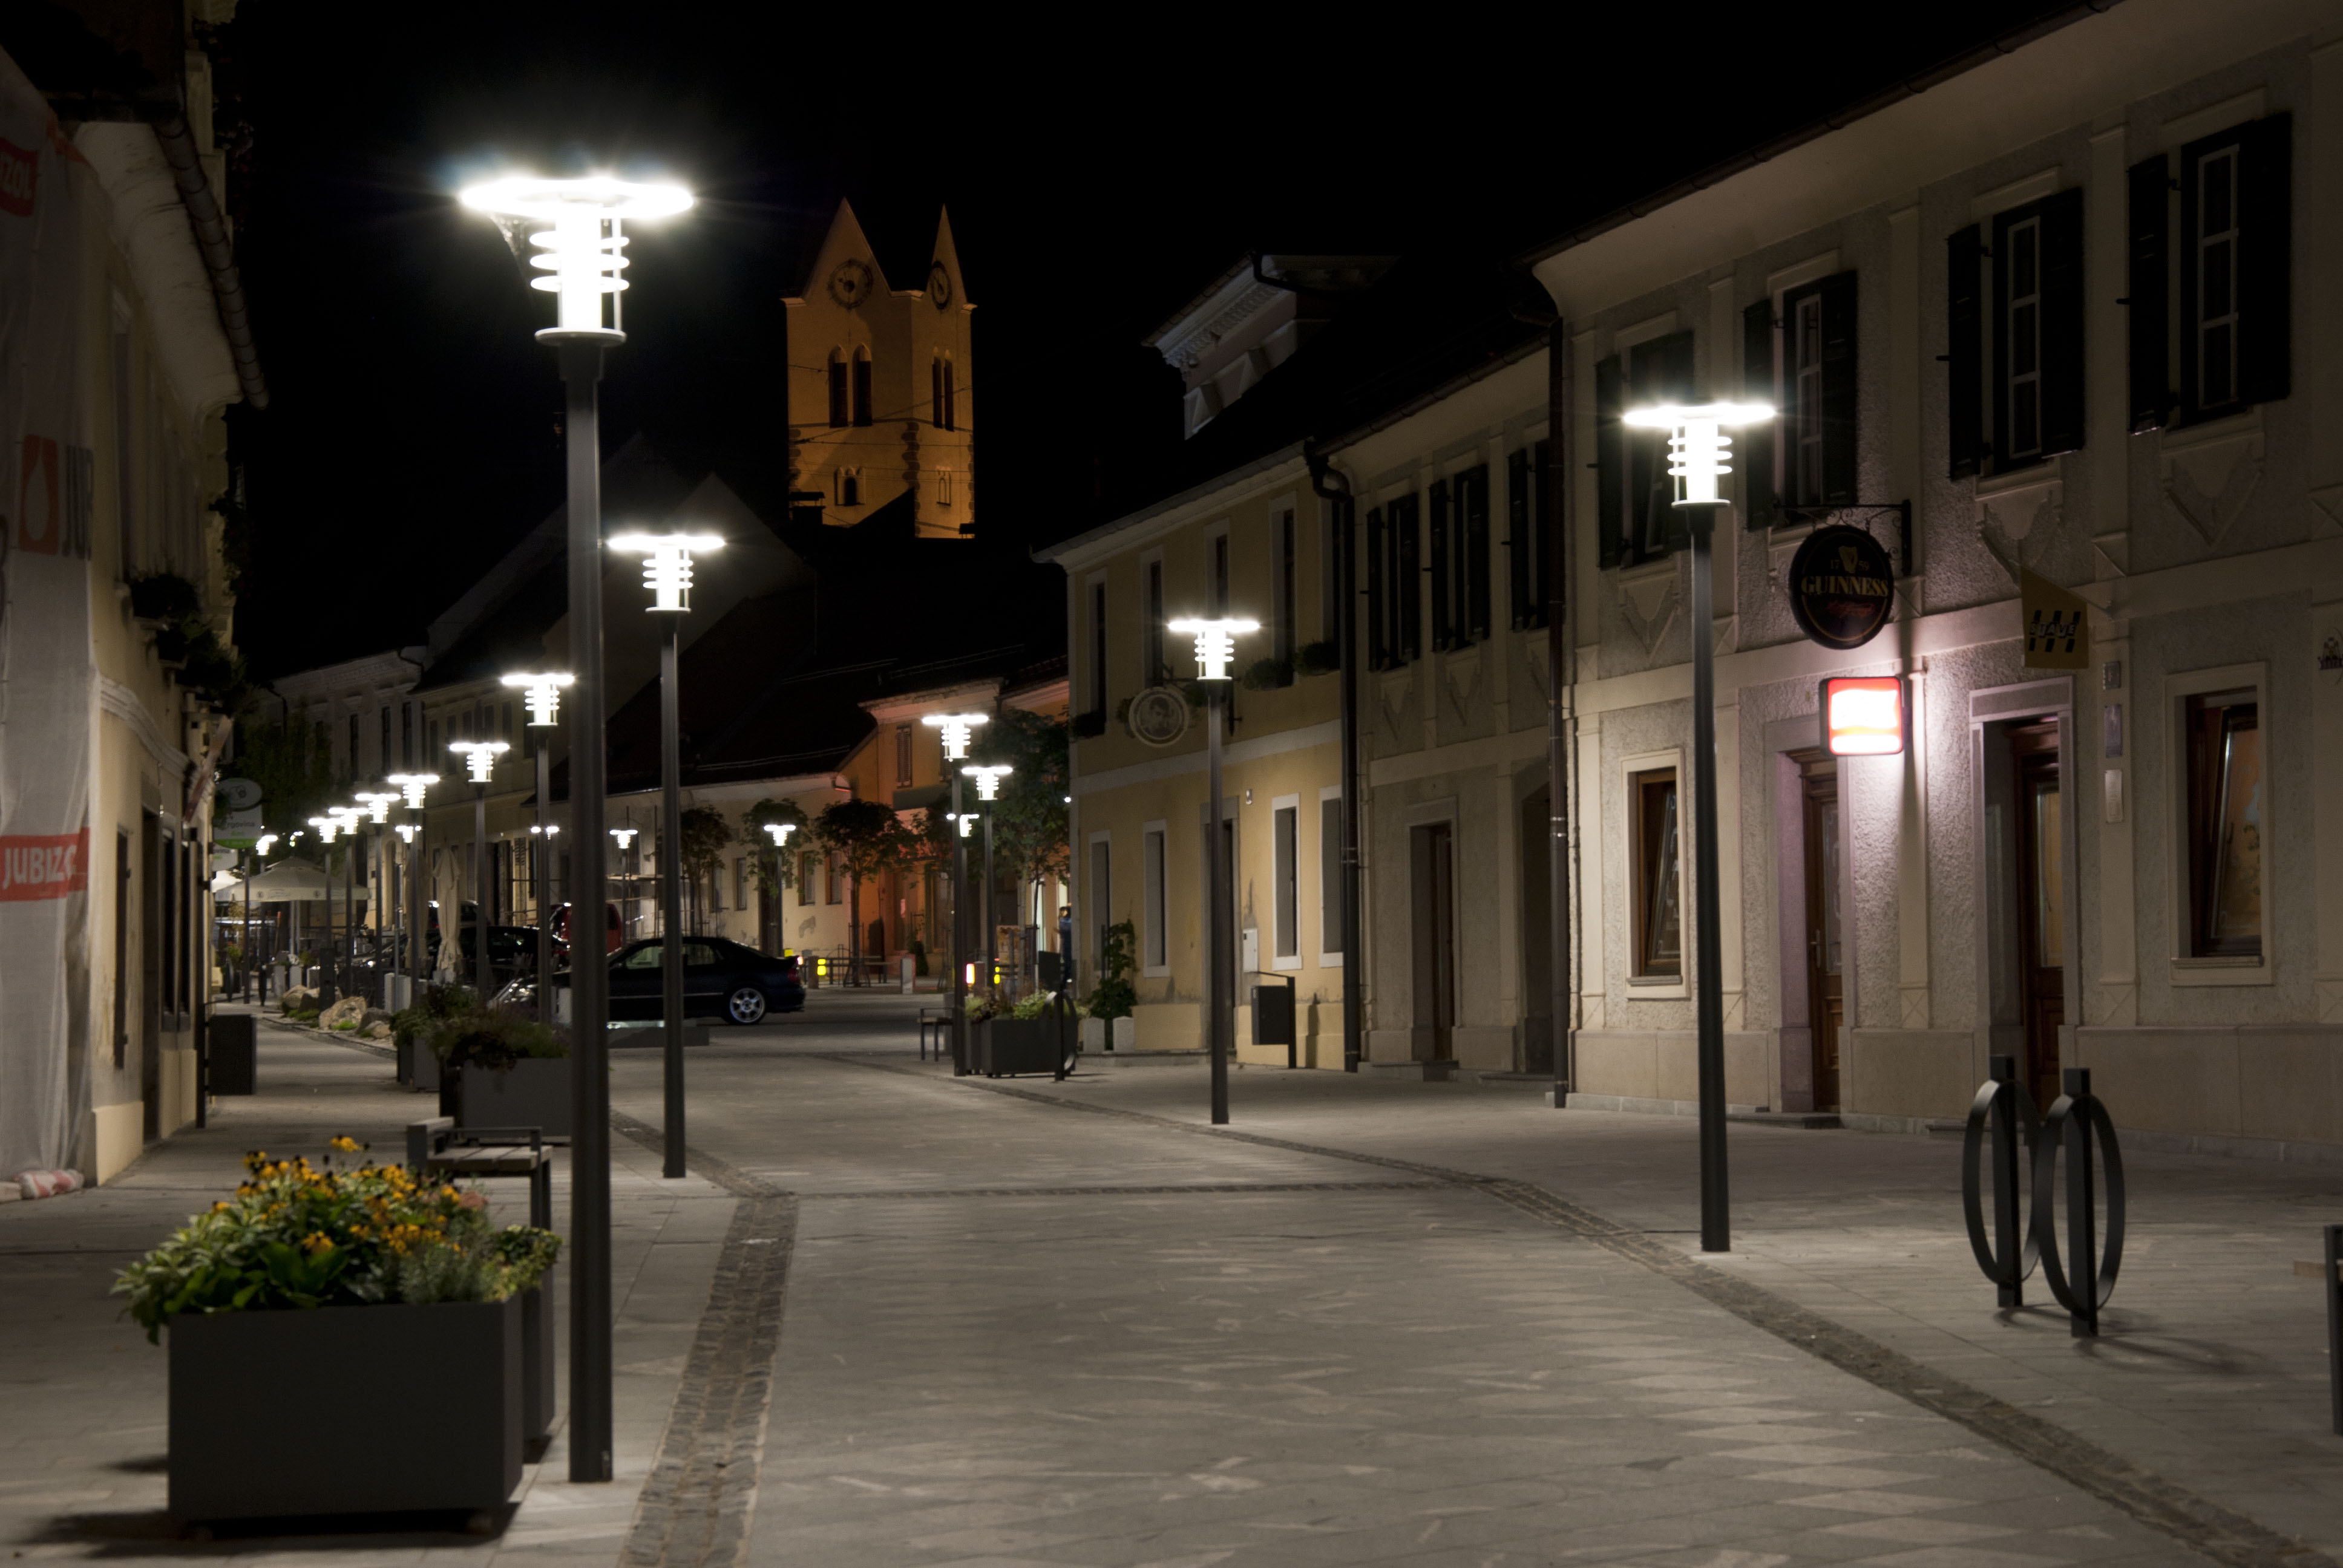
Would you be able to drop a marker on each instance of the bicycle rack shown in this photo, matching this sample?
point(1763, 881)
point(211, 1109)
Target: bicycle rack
point(2077, 1125)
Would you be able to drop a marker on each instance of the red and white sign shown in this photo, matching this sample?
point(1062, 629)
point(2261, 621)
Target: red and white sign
point(1863, 715)
point(20, 176)
point(43, 865)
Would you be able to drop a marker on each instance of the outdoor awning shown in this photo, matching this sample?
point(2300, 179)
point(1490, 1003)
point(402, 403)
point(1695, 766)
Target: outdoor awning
point(286, 882)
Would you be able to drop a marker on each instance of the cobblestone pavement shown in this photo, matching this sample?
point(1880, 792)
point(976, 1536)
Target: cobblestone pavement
point(894, 1318)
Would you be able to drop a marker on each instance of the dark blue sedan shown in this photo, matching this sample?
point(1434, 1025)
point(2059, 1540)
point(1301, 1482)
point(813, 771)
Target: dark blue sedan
point(721, 980)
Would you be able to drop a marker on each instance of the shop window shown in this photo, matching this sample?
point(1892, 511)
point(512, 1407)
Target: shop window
point(2225, 807)
point(1657, 883)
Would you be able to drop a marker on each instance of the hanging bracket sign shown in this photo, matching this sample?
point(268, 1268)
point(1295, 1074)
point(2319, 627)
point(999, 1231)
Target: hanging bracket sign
point(1842, 586)
point(2057, 635)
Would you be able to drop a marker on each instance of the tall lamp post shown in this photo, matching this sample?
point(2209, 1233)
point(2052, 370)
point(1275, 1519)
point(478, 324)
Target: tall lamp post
point(479, 765)
point(414, 787)
point(780, 833)
point(666, 573)
point(377, 811)
point(327, 826)
point(1697, 449)
point(584, 251)
point(626, 838)
point(541, 696)
point(1216, 647)
point(988, 789)
point(955, 730)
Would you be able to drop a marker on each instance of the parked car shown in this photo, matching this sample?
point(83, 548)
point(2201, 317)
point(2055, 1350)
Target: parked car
point(721, 980)
point(613, 932)
point(512, 951)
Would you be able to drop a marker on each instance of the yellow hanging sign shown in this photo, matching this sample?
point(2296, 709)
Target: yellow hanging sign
point(2056, 636)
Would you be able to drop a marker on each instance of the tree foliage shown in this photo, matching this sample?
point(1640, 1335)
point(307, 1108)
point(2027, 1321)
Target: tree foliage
point(775, 867)
point(866, 836)
point(293, 763)
point(705, 835)
point(1030, 819)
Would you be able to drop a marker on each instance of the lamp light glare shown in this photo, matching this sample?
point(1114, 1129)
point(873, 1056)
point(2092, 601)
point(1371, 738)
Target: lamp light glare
point(1215, 643)
point(327, 828)
point(541, 695)
point(377, 805)
point(479, 757)
point(1863, 715)
point(988, 780)
point(667, 564)
point(262, 845)
point(956, 728)
point(781, 832)
point(406, 831)
point(412, 785)
point(967, 822)
point(583, 251)
point(625, 836)
point(1697, 444)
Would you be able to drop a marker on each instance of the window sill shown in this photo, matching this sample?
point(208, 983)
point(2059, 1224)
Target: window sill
point(1657, 988)
point(2204, 972)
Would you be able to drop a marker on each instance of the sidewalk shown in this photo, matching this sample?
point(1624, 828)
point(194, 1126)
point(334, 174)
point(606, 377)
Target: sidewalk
point(2210, 1372)
point(82, 1447)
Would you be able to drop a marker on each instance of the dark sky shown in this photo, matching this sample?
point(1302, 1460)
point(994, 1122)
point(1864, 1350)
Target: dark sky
point(1101, 166)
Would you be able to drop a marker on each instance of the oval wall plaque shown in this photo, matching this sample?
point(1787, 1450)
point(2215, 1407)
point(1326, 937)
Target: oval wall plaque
point(1842, 586)
point(1158, 716)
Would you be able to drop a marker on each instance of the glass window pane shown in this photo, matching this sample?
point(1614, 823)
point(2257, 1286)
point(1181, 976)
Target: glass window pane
point(2049, 890)
point(1830, 889)
point(2236, 904)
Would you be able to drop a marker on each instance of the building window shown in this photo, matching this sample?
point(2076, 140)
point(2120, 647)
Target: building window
point(1525, 533)
point(1655, 893)
point(506, 729)
point(350, 758)
point(1097, 646)
point(715, 888)
point(1330, 576)
point(808, 863)
point(936, 391)
point(407, 734)
point(1395, 612)
point(1460, 560)
point(833, 891)
point(435, 739)
point(850, 486)
point(1156, 959)
point(740, 883)
point(1285, 850)
point(840, 410)
point(1217, 546)
point(1281, 562)
point(902, 756)
point(1330, 875)
point(1150, 634)
point(1102, 902)
point(943, 487)
point(1635, 514)
point(862, 386)
point(2018, 366)
point(2223, 736)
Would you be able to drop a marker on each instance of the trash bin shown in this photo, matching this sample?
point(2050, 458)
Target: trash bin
point(230, 1048)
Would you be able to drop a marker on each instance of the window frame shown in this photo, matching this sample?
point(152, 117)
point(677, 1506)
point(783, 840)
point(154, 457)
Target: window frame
point(841, 406)
point(864, 397)
point(1285, 882)
point(1637, 774)
point(1153, 671)
point(1098, 896)
point(2188, 966)
point(1095, 672)
point(1284, 561)
point(1155, 925)
point(1329, 879)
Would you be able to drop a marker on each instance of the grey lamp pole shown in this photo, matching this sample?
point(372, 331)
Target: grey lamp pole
point(1696, 460)
point(542, 698)
point(988, 785)
point(955, 729)
point(483, 976)
point(1216, 646)
point(667, 572)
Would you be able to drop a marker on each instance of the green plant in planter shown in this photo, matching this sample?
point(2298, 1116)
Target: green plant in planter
point(1114, 995)
point(1268, 673)
point(296, 1237)
point(452, 1023)
point(1318, 657)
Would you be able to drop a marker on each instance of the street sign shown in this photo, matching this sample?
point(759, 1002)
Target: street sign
point(2056, 636)
point(1842, 586)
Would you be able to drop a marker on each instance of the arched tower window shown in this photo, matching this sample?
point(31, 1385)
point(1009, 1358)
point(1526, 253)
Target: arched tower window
point(863, 385)
point(850, 486)
point(838, 410)
point(936, 391)
point(951, 411)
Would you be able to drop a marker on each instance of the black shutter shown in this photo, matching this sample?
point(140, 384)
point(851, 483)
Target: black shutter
point(1472, 507)
point(1757, 441)
point(1545, 530)
point(862, 389)
point(1406, 584)
point(1443, 619)
point(1840, 393)
point(1672, 366)
point(1610, 462)
point(1996, 357)
point(2148, 241)
point(1378, 609)
point(1518, 551)
point(2266, 241)
point(2061, 323)
point(1964, 378)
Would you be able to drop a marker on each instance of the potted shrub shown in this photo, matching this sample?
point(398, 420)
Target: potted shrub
point(1110, 1002)
point(1027, 1038)
point(315, 1291)
point(498, 1067)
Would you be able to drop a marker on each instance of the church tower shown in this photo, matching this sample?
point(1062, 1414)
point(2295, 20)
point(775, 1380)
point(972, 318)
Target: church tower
point(881, 416)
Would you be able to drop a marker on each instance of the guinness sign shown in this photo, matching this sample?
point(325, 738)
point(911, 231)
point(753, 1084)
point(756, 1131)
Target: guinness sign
point(1842, 586)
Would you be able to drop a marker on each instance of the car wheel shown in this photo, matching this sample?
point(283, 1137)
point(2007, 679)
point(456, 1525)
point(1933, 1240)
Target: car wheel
point(746, 1005)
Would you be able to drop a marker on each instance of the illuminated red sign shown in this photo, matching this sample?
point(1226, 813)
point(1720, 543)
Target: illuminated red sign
point(1863, 715)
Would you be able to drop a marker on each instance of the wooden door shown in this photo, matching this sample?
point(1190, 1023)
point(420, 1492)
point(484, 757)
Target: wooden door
point(2041, 903)
point(1825, 941)
point(1435, 935)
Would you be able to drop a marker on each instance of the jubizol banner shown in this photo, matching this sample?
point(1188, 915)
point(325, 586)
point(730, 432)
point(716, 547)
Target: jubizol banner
point(47, 683)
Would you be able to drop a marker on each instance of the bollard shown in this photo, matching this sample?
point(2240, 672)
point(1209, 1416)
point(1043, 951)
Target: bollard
point(2004, 1106)
point(2077, 1122)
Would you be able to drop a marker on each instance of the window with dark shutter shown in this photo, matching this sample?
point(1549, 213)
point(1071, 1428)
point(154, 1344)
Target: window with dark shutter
point(1519, 547)
point(1760, 480)
point(2236, 235)
point(1965, 351)
point(1840, 393)
point(2147, 236)
point(1473, 523)
point(1443, 580)
point(862, 386)
point(1378, 599)
point(951, 396)
point(1609, 464)
point(1405, 581)
point(840, 413)
point(936, 391)
point(1545, 530)
point(1658, 371)
point(2036, 325)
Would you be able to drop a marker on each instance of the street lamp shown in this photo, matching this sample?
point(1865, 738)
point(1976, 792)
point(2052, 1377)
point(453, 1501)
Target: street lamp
point(626, 838)
point(1216, 647)
point(666, 573)
point(780, 833)
point(1698, 448)
point(541, 696)
point(987, 788)
point(583, 248)
point(479, 765)
point(955, 730)
point(414, 785)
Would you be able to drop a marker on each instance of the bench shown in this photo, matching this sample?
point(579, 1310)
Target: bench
point(939, 1020)
point(439, 1147)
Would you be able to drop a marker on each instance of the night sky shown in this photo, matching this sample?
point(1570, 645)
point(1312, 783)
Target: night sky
point(1099, 175)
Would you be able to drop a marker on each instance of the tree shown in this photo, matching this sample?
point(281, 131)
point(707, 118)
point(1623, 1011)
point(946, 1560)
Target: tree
point(702, 849)
point(871, 839)
point(1030, 819)
point(775, 869)
point(293, 764)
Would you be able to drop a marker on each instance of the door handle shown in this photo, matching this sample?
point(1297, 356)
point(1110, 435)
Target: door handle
point(1814, 949)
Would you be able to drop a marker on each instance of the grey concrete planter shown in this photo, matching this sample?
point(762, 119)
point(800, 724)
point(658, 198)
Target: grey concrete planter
point(532, 1092)
point(1007, 1045)
point(436, 1389)
point(417, 1068)
point(537, 1364)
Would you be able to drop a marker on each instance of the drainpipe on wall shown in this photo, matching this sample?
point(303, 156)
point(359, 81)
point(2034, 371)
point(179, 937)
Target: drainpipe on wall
point(220, 257)
point(1558, 746)
point(1336, 489)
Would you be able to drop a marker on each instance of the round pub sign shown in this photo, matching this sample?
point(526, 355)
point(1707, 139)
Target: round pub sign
point(1842, 586)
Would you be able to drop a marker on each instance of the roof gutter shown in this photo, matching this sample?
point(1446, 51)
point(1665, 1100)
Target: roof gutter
point(1863, 109)
point(219, 254)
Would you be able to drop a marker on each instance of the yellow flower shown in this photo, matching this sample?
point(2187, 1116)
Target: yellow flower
point(346, 1144)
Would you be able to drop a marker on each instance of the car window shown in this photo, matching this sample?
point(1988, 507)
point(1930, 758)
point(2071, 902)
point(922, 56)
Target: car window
point(646, 957)
point(699, 956)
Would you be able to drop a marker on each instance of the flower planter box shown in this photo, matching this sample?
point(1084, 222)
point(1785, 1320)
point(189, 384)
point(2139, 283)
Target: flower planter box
point(533, 1092)
point(417, 1068)
point(436, 1390)
point(537, 1364)
point(1001, 1046)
